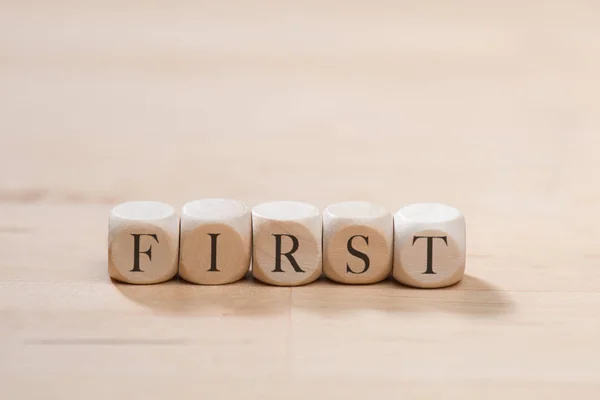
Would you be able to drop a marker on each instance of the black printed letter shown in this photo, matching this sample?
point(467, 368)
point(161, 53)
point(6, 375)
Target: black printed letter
point(137, 252)
point(213, 251)
point(358, 254)
point(430, 250)
point(289, 256)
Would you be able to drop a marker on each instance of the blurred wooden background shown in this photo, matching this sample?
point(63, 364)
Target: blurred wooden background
point(492, 107)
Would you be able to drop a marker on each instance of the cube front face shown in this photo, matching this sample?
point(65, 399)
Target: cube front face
point(429, 253)
point(357, 243)
point(357, 255)
point(143, 251)
point(213, 254)
point(287, 248)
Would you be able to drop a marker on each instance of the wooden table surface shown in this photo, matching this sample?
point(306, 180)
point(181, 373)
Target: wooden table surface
point(492, 107)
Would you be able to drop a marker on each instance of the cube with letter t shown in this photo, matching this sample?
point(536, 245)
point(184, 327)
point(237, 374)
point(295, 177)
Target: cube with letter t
point(143, 242)
point(287, 243)
point(429, 245)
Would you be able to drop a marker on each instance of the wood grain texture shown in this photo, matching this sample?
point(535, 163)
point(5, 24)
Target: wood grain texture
point(492, 107)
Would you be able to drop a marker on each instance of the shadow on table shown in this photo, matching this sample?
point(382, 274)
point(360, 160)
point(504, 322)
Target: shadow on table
point(245, 297)
point(472, 297)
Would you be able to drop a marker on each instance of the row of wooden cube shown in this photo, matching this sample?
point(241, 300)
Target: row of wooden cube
point(286, 243)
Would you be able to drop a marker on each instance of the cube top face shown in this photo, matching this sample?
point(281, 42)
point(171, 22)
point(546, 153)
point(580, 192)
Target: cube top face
point(286, 211)
point(143, 242)
point(216, 241)
point(214, 209)
point(357, 242)
point(356, 210)
point(428, 213)
point(142, 211)
point(287, 243)
point(430, 245)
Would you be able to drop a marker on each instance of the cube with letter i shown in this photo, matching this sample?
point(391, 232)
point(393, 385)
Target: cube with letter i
point(216, 241)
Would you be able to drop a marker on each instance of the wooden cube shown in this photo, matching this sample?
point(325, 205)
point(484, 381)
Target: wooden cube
point(216, 241)
point(287, 243)
point(143, 242)
point(357, 242)
point(429, 245)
